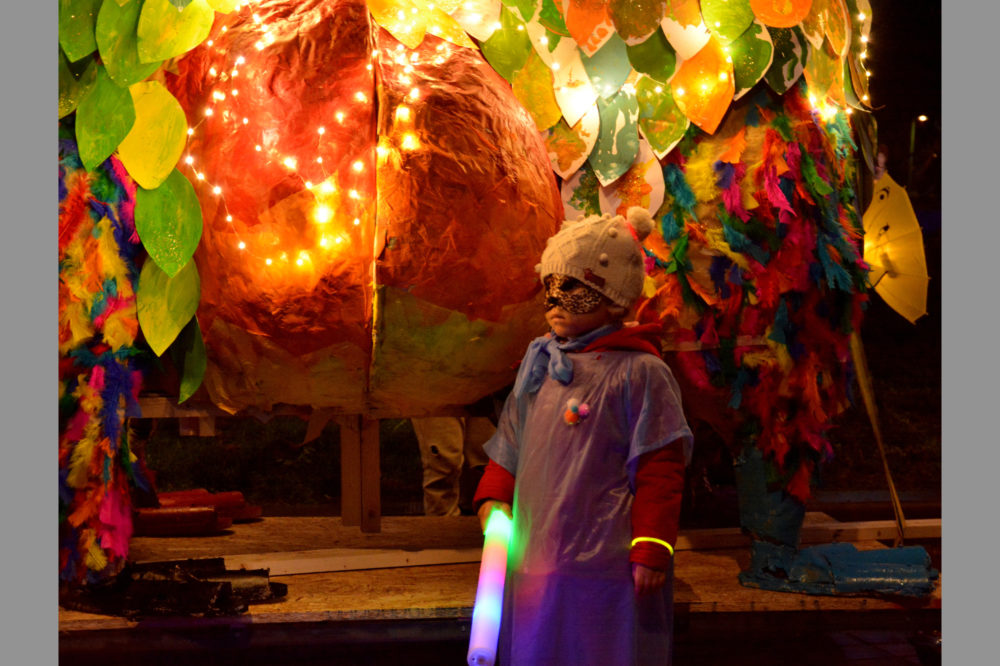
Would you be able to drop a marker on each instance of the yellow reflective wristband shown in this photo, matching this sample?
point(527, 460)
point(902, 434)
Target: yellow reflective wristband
point(654, 540)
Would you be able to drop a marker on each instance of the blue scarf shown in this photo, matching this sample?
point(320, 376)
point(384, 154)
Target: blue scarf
point(547, 355)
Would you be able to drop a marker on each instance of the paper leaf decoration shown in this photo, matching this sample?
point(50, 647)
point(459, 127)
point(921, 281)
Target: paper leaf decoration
point(532, 85)
point(825, 75)
point(703, 86)
point(684, 12)
point(609, 68)
point(569, 147)
point(189, 355)
point(180, 4)
point(479, 18)
point(838, 26)
point(686, 40)
point(752, 54)
point(550, 15)
point(661, 122)
point(858, 78)
point(780, 13)
point(526, 8)
point(74, 86)
point(654, 57)
point(574, 92)
point(618, 140)
point(789, 61)
point(588, 23)
point(77, 19)
point(165, 32)
point(507, 49)
point(580, 194)
point(636, 21)
point(157, 139)
point(118, 43)
point(401, 18)
point(642, 185)
point(103, 118)
point(812, 25)
point(168, 220)
point(224, 6)
point(862, 27)
point(166, 304)
point(727, 19)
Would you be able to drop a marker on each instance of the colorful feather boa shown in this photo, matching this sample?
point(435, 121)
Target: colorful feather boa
point(98, 377)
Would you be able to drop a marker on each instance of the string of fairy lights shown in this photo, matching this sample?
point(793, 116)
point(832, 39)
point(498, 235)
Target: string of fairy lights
point(348, 207)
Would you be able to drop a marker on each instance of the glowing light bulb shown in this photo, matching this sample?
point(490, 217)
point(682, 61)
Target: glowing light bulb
point(218, 95)
point(299, 261)
point(242, 245)
point(268, 261)
point(409, 141)
point(414, 93)
point(361, 97)
point(358, 166)
point(201, 176)
point(246, 121)
point(229, 218)
point(864, 39)
point(324, 242)
point(321, 130)
point(922, 118)
point(208, 111)
point(556, 66)
point(680, 92)
point(354, 194)
point(862, 16)
point(544, 40)
point(357, 221)
point(327, 187)
point(339, 116)
point(189, 160)
point(658, 89)
point(403, 113)
point(240, 60)
point(190, 131)
point(290, 162)
point(234, 92)
point(259, 45)
point(216, 190)
point(723, 76)
point(212, 71)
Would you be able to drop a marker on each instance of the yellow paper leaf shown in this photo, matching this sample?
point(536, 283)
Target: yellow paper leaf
point(532, 86)
point(151, 149)
point(401, 18)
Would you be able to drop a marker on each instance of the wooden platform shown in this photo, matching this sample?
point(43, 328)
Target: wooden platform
point(349, 588)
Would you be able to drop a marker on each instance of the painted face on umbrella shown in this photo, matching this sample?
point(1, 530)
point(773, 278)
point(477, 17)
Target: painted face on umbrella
point(570, 294)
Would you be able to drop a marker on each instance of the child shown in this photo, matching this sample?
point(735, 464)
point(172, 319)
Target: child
point(589, 458)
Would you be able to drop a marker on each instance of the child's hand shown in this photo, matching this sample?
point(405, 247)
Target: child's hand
point(647, 580)
point(486, 507)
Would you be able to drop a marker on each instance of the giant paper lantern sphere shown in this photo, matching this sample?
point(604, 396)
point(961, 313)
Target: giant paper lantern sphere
point(372, 213)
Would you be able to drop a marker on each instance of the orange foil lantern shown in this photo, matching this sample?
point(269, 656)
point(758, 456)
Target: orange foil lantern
point(372, 214)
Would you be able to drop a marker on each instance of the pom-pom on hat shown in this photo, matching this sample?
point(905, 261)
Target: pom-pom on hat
point(603, 252)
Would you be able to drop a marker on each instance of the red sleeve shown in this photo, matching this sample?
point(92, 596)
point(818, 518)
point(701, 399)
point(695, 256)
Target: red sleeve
point(496, 484)
point(656, 510)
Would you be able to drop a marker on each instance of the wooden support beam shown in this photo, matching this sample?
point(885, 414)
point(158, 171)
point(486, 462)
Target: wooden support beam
point(371, 477)
point(350, 470)
point(355, 559)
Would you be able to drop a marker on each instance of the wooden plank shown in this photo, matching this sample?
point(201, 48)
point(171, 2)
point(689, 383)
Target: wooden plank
point(349, 559)
point(350, 470)
point(813, 533)
point(371, 484)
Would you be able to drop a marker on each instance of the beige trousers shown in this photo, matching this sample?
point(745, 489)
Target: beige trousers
point(446, 443)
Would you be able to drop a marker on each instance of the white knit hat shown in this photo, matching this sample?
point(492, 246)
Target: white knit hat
point(601, 252)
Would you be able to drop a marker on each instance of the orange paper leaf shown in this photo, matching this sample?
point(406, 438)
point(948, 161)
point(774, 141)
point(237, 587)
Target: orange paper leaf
point(780, 13)
point(703, 86)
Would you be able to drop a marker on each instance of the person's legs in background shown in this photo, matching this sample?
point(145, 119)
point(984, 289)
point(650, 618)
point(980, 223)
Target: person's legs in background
point(446, 442)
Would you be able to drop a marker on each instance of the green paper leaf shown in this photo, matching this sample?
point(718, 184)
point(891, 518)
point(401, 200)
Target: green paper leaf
point(532, 85)
point(727, 19)
point(77, 19)
point(168, 220)
point(569, 147)
point(103, 118)
point(618, 142)
point(188, 352)
point(789, 60)
point(636, 21)
point(119, 44)
point(151, 150)
point(609, 67)
point(552, 18)
point(166, 304)
point(164, 32)
point(654, 57)
point(526, 8)
point(507, 49)
point(752, 54)
point(660, 119)
point(581, 194)
point(73, 84)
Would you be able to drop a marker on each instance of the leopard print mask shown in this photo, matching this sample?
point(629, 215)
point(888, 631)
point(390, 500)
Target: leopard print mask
point(570, 294)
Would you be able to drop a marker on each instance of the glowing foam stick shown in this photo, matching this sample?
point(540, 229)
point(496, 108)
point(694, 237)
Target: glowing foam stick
point(489, 595)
